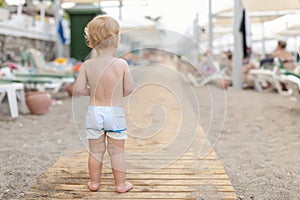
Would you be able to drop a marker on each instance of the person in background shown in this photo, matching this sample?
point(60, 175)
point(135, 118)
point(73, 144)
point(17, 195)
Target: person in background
point(286, 57)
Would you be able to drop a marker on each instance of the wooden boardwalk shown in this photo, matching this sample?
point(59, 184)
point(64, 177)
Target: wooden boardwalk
point(161, 161)
point(187, 178)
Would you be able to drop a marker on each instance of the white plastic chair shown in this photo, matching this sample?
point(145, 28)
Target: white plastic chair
point(14, 91)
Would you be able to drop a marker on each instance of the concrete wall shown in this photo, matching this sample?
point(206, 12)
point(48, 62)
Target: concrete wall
point(12, 46)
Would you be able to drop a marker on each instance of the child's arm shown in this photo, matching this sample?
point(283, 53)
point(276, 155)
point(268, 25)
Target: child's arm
point(80, 86)
point(127, 81)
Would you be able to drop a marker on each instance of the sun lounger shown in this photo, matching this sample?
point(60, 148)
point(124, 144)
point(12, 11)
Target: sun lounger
point(293, 81)
point(217, 75)
point(42, 75)
point(270, 79)
point(61, 74)
point(36, 60)
point(54, 81)
point(278, 77)
point(39, 82)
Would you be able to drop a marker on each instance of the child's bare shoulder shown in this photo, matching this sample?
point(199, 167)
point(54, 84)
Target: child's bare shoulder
point(87, 62)
point(90, 63)
point(121, 61)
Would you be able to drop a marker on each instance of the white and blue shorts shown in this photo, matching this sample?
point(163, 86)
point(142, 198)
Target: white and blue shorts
point(109, 120)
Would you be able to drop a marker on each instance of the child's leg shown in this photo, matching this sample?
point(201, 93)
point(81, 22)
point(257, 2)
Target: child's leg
point(97, 150)
point(115, 149)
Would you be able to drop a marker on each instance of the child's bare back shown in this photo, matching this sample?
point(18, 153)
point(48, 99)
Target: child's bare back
point(107, 80)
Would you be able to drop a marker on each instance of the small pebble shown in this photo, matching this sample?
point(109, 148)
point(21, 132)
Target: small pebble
point(257, 129)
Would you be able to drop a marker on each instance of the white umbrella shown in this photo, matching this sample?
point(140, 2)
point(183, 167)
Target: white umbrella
point(272, 5)
point(293, 31)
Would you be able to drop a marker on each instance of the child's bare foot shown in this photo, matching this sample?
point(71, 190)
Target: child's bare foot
point(94, 187)
point(125, 187)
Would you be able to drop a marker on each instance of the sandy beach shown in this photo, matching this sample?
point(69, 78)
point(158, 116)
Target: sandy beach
point(258, 143)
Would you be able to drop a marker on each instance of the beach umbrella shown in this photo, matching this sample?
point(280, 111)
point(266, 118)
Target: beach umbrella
point(272, 5)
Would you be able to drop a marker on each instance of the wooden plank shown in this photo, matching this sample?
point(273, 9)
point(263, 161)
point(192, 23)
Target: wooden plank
point(154, 164)
point(150, 156)
point(188, 153)
point(197, 182)
point(138, 188)
point(156, 158)
point(84, 170)
point(159, 161)
point(133, 195)
point(147, 176)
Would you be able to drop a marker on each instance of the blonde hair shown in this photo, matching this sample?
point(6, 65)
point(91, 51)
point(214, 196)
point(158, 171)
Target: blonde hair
point(102, 32)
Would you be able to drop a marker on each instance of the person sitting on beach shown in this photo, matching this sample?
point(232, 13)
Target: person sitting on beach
point(206, 63)
point(285, 56)
point(280, 52)
point(247, 65)
point(227, 63)
point(106, 79)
